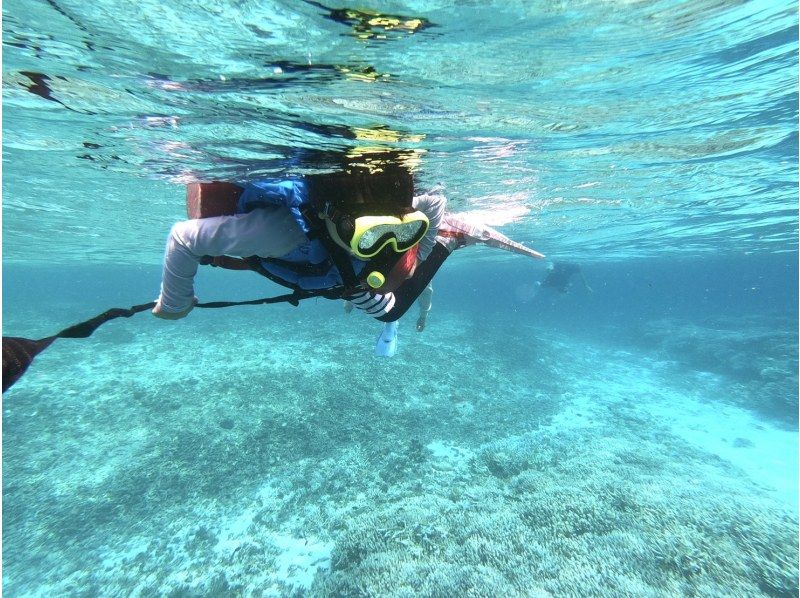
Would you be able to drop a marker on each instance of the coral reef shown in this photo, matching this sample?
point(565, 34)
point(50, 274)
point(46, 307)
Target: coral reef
point(757, 354)
point(568, 514)
point(441, 472)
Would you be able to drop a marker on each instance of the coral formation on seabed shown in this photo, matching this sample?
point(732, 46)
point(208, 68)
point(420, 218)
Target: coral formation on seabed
point(755, 353)
point(455, 469)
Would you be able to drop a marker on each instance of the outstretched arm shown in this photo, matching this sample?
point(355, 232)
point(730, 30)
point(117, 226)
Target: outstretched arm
point(263, 232)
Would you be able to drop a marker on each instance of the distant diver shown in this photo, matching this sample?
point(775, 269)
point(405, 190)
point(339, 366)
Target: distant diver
point(559, 277)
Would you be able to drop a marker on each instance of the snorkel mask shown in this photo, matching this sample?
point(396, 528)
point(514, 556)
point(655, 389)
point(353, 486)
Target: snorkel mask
point(366, 236)
point(376, 238)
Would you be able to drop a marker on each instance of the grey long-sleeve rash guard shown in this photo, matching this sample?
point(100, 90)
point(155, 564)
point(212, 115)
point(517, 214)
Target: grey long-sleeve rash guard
point(265, 232)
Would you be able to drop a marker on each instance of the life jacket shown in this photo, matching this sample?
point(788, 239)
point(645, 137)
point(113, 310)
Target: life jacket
point(317, 264)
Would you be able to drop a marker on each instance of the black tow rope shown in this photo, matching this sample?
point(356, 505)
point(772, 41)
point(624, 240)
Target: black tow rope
point(18, 353)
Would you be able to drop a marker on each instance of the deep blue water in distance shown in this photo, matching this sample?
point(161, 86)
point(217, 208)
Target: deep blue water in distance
point(624, 293)
point(637, 437)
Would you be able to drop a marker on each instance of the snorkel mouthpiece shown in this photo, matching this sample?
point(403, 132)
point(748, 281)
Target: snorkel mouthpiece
point(375, 279)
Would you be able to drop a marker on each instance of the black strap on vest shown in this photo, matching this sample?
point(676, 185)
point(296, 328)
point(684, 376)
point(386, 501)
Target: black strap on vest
point(341, 259)
point(338, 255)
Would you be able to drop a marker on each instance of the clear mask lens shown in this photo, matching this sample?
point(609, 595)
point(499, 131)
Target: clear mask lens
point(406, 235)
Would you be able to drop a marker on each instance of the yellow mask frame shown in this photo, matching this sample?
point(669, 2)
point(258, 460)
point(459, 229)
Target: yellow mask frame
point(371, 234)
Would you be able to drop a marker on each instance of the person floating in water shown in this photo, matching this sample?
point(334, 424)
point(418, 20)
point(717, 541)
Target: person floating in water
point(356, 234)
point(359, 234)
point(559, 277)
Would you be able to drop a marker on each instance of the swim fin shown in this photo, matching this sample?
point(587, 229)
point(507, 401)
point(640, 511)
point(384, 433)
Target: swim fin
point(18, 354)
point(387, 341)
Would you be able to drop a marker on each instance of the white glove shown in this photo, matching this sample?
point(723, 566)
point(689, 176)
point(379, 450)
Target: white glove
point(387, 341)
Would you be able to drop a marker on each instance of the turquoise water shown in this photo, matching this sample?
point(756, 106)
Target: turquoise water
point(636, 440)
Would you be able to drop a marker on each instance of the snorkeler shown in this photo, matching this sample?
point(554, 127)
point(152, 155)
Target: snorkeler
point(351, 234)
point(355, 235)
point(559, 277)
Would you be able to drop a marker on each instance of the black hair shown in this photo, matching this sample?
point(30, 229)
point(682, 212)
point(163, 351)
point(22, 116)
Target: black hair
point(358, 191)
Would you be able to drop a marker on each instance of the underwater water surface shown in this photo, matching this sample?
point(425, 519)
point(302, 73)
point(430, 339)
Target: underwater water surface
point(634, 436)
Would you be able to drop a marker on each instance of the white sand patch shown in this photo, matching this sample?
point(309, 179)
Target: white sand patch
point(300, 559)
point(234, 531)
point(448, 456)
point(767, 454)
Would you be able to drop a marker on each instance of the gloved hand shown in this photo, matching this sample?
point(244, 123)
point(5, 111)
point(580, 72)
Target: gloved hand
point(158, 311)
point(421, 323)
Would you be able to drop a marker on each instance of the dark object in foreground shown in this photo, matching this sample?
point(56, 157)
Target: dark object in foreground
point(18, 353)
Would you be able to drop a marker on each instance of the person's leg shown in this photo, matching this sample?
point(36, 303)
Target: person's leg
point(424, 302)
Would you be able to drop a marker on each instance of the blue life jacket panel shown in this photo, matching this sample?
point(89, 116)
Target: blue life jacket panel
point(296, 267)
point(291, 193)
